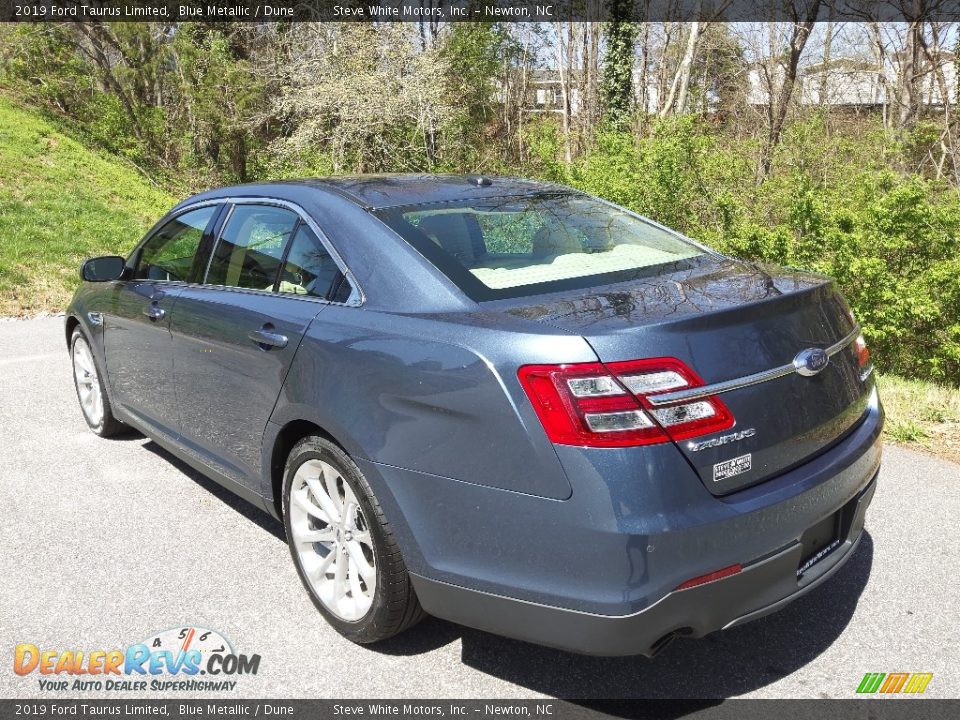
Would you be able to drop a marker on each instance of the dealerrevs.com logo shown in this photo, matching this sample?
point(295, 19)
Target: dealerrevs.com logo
point(190, 659)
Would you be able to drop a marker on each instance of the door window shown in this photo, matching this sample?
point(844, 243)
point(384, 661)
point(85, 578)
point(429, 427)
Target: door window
point(250, 250)
point(170, 253)
point(310, 269)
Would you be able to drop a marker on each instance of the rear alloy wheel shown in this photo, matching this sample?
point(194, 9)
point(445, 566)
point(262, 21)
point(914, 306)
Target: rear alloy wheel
point(333, 540)
point(343, 547)
point(90, 391)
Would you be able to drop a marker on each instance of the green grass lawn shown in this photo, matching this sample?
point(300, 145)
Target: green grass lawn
point(922, 413)
point(61, 203)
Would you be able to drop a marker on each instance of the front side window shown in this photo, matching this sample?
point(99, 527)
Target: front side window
point(513, 246)
point(250, 250)
point(311, 270)
point(169, 255)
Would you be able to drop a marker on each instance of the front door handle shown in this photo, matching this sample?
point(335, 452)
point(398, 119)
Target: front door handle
point(266, 337)
point(153, 312)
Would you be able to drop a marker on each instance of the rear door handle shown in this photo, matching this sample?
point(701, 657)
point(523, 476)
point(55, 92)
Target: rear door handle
point(265, 336)
point(153, 312)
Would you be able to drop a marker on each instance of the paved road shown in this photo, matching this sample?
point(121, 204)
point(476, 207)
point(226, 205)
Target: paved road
point(105, 542)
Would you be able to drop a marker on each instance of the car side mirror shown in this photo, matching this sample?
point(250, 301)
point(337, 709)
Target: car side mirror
point(103, 269)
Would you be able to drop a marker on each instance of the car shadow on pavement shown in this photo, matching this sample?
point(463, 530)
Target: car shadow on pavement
point(715, 667)
point(250, 512)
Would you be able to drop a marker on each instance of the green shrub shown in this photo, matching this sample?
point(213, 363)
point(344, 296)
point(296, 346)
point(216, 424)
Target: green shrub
point(889, 239)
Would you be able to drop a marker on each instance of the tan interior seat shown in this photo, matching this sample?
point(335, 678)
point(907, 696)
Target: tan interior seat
point(451, 232)
point(551, 240)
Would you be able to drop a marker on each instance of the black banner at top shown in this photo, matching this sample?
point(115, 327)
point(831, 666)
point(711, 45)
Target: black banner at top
point(258, 11)
point(434, 709)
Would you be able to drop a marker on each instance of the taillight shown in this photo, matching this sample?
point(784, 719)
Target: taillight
point(863, 352)
point(606, 405)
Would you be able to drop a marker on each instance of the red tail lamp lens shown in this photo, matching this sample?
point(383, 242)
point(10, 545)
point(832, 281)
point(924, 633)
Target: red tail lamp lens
point(607, 405)
point(863, 352)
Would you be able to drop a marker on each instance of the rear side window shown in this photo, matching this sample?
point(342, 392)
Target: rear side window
point(170, 253)
point(503, 247)
point(250, 250)
point(310, 269)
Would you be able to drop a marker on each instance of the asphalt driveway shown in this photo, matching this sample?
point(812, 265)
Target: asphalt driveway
point(106, 542)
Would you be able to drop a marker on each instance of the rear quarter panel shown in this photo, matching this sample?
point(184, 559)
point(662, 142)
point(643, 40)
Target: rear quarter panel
point(433, 394)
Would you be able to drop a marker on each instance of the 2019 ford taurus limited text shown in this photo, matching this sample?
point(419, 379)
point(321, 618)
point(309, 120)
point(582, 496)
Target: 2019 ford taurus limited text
point(497, 401)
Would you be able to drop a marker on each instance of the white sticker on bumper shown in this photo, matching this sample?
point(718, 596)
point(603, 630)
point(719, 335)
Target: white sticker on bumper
point(735, 466)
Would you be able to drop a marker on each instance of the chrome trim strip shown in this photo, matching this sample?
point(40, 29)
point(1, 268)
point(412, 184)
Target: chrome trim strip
point(849, 338)
point(742, 382)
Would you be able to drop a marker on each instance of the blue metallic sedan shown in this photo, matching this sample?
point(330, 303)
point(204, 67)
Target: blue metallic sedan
point(501, 402)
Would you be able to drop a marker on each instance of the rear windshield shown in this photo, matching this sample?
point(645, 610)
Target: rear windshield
point(507, 247)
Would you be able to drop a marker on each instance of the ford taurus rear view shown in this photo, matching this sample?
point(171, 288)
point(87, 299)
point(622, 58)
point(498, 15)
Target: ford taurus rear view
point(501, 402)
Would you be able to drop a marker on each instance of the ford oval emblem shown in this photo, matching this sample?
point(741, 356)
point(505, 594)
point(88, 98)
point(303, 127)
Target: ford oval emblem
point(811, 361)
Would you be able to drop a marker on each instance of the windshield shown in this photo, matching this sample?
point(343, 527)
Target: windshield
point(512, 246)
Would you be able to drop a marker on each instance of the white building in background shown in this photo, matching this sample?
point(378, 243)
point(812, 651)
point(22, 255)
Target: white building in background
point(547, 92)
point(844, 82)
point(855, 83)
point(546, 89)
point(930, 86)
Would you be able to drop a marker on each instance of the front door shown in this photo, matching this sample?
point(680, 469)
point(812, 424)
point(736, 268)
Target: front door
point(235, 336)
point(137, 327)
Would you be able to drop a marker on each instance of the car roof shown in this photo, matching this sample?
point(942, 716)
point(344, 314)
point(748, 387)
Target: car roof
point(381, 191)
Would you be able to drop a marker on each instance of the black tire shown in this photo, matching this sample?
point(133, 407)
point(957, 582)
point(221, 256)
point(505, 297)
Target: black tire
point(108, 425)
point(395, 607)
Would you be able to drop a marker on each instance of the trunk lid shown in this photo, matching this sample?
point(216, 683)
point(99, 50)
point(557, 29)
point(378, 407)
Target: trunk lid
point(730, 320)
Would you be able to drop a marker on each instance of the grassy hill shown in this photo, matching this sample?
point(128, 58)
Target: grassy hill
point(61, 203)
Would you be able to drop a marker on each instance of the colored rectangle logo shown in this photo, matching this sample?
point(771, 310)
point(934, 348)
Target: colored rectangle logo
point(894, 683)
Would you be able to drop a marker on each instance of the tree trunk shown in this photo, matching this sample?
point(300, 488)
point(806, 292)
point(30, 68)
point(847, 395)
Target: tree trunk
point(671, 98)
point(800, 33)
point(883, 85)
point(668, 29)
point(687, 65)
point(933, 57)
point(825, 75)
point(563, 63)
point(907, 99)
point(645, 71)
point(618, 93)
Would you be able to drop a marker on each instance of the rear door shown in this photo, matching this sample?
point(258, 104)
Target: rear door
point(235, 335)
point(137, 328)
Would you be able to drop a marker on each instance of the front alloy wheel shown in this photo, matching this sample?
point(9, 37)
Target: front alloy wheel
point(91, 393)
point(88, 383)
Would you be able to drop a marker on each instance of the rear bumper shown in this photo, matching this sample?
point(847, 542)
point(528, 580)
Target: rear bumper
point(597, 573)
point(763, 586)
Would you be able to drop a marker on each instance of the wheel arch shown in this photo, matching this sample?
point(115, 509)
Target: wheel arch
point(285, 439)
point(280, 438)
point(71, 324)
